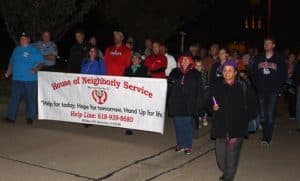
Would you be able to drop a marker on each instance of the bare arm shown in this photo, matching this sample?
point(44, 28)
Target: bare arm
point(8, 71)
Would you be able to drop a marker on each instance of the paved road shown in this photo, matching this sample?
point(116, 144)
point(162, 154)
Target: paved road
point(50, 151)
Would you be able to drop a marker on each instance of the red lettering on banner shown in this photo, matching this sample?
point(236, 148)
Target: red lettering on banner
point(60, 84)
point(140, 90)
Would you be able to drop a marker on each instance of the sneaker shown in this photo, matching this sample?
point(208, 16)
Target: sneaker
point(298, 128)
point(128, 132)
point(200, 122)
point(266, 144)
point(260, 128)
point(86, 125)
point(29, 121)
point(205, 121)
point(188, 151)
point(178, 150)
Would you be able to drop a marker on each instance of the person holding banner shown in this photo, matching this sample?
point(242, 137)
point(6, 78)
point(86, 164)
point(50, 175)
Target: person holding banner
point(185, 101)
point(25, 62)
point(156, 63)
point(94, 65)
point(136, 69)
point(117, 57)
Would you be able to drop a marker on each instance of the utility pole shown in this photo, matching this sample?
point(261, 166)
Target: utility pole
point(182, 34)
point(269, 17)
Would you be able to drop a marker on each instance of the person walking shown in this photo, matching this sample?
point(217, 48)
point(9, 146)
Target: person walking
point(233, 107)
point(269, 74)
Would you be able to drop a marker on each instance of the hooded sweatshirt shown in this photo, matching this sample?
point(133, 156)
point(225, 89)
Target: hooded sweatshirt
point(269, 74)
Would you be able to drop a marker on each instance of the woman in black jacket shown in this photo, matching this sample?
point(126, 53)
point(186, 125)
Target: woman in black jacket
point(233, 108)
point(185, 100)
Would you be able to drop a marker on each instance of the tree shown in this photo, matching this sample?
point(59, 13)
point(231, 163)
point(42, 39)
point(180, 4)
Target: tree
point(157, 19)
point(35, 16)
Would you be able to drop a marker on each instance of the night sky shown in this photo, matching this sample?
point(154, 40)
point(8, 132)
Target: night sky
point(217, 21)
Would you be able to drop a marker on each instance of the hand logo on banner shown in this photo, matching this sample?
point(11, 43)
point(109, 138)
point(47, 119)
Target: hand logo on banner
point(99, 96)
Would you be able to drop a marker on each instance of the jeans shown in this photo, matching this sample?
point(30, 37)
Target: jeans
point(267, 106)
point(298, 105)
point(184, 131)
point(292, 100)
point(26, 90)
point(227, 155)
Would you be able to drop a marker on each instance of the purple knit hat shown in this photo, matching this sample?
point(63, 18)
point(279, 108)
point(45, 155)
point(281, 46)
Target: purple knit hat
point(231, 63)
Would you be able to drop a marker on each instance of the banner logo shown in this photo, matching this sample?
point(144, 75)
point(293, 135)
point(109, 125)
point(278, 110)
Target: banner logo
point(99, 96)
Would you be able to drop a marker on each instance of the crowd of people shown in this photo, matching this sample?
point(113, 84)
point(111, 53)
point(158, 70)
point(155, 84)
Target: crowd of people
point(239, 92)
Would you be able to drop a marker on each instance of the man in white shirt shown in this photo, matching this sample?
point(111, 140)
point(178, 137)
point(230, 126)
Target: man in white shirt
point(171, 60)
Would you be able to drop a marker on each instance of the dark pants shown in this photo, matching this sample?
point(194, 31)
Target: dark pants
point(227, 155)
point(267, 105)
point(184, 131)
point(26, 90)
point(292, 101)
point(196, 123)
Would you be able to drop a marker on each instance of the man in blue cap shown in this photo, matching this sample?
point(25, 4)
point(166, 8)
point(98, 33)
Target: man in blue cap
point(25, 62)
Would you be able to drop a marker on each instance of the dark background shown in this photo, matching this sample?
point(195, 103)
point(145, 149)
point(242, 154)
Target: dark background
point(217, 21)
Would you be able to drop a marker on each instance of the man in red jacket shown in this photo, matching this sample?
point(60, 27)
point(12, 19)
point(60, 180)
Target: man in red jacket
point(117, 57)
point(157, 62)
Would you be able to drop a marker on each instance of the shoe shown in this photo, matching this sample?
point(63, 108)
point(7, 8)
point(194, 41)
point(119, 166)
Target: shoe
point(9, 121)
point(86, 125)
point(188, 151)
point(205, 121)
point(260, 128)
point(128, 132)
point(200, 122)
point(29, 121)
point(266, 144)
point(178, 150)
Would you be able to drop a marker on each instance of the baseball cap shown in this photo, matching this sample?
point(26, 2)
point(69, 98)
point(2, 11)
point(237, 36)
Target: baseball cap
point(24, 34)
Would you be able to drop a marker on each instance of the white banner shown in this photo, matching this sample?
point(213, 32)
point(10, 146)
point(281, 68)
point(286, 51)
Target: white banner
point(125, 102)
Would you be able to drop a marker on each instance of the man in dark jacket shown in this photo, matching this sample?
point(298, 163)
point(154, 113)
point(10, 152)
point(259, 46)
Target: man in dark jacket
point(233, 108)
point(77, 53)
point(269, 74)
